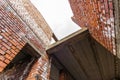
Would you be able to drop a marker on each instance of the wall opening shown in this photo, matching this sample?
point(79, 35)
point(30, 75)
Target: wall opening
point(58, 71)
point(19, 67)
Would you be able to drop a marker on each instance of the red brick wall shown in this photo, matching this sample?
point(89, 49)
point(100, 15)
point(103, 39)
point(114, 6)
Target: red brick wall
point(14, 34)
point(97, 16)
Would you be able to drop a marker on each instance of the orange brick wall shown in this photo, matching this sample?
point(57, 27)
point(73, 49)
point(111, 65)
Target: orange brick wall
point(98, 17)
point(14, 34)
point(10, 41)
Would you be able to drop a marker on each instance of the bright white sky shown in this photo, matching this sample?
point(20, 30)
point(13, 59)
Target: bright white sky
point(58, 15)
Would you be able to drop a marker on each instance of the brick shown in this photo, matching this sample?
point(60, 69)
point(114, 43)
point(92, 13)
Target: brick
point(12, 55)
point(3, 30)
point(7, 61)
point(7, 34)
point(2, 52)
point(3, 48)
point(99, 6)
point(15, 44)
point(2, 64)
point(6, 45)
point(97, 13)
point(13, 47)
point(0, 41)
point(1, 69)
point(111, 5)
point(4, 40)
point(19, 47)
point(7, 56)
point(13, 51)
point(0, 45)
point(102, 0)
point(13, 31)
point(1, 37)
point(2, 58)
point(106, 6)
point(17, 50)
point(39, 69)
point(6, 37)
point(9, 44)
point(23, 43)
point(8, 52)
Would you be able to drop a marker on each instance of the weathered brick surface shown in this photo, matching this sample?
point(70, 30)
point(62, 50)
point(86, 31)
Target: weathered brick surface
point(33, 18)
point(36, 15)
point(9, 36)
point(40, 70)
point(16, 31)
point(97, 16)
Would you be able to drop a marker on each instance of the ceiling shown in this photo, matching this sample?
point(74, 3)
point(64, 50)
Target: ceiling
point(83, 57)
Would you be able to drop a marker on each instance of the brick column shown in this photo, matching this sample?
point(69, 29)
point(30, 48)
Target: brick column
point(40, 70)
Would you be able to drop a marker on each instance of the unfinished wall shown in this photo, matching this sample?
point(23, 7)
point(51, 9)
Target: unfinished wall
point(16, 30)
point(97, 16)
point(19, 67)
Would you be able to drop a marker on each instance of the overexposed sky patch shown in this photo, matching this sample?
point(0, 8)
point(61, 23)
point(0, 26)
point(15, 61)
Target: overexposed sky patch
point(58, 15)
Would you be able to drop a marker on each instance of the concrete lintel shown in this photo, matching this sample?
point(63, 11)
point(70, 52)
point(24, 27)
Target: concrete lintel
point(71, 38)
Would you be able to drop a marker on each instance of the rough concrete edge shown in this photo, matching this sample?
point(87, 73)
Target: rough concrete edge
point(66, 38)
point(116, 4)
